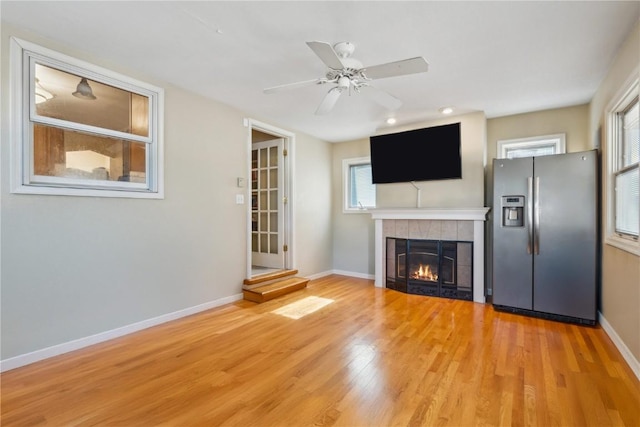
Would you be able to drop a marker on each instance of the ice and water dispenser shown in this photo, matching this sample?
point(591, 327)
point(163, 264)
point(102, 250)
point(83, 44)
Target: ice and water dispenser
point(513, 211)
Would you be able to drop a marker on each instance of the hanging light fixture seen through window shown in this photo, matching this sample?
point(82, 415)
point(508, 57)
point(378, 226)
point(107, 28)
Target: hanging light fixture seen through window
point(83, 90)
point(42, 95)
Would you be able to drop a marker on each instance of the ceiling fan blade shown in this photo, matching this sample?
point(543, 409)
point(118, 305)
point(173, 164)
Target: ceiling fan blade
point(398, 68)
point(326, 53)
point(329, 101)
point(294, 85)
point(381, 97)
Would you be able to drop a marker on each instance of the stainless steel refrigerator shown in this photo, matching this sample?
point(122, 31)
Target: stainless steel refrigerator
point(545, 236)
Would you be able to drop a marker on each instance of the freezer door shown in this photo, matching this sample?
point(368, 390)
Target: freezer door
point(565, 252)
point(512, 260)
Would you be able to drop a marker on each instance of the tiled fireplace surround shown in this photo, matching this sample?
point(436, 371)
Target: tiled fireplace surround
point(465, 224)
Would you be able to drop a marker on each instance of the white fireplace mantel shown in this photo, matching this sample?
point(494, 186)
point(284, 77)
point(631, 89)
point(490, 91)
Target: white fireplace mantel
point(477, 215)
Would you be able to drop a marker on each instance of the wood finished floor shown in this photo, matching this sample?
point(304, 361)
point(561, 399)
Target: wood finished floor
point(372, 357)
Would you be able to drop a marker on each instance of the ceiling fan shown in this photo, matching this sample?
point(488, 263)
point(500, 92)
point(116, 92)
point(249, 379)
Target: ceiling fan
point(349, 75)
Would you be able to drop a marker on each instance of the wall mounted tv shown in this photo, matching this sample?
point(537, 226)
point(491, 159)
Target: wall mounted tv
point(417, 155)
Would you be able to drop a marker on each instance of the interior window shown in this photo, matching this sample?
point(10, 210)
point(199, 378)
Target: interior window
point(83, 130)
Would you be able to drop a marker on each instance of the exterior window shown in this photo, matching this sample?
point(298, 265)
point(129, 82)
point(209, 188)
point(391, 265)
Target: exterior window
point(359, 192)
point(531, 147)
point(623, 152)
point(82, 130)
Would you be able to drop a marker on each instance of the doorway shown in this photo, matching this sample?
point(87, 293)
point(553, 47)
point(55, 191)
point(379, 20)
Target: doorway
point(269, 219)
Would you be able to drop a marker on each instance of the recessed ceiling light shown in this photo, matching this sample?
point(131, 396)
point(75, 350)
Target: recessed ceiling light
point(446, 110)
point(391, 121)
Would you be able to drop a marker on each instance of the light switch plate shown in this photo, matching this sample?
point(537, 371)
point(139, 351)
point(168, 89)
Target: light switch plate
point(239, 199)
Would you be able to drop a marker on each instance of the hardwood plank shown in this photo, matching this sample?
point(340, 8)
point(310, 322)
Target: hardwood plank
point(371, 357)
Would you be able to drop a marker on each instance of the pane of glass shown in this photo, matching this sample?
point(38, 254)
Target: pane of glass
point(273, 246)
point(273, 156)
point(263, 157)
point(263, 179)
point(273, 200)
point(263, 201)
point(540, 150)
point(264, 243)
point(362, 191)
point(110, 108)
point(631, 135)
point(254, 242)
point(70, 154)
point(627, 202)
point(264, 226)
point(273, 178)
point(273, 222)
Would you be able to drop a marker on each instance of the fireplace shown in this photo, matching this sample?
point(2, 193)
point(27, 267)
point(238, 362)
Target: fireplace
point(430, 267)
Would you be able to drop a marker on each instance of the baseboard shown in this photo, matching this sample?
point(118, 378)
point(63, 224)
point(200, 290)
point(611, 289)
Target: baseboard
point(354, 274)
point(319, 275)
point(341, 273)
point(633, 363)
point(45, 353)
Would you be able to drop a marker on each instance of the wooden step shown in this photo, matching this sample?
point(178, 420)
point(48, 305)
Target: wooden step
point(261, 278)
point(275, 289)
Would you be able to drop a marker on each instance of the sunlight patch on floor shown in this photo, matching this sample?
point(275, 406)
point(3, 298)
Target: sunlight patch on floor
point(302, 307)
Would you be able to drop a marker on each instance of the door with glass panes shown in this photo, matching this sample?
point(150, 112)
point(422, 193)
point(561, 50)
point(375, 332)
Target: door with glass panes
point(267, 222)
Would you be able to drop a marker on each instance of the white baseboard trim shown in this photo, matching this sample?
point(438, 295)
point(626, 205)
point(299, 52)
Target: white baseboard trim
point(45, 353)
point(341, 273)
point(319, 275)
point(633, 363)
point(354, 274)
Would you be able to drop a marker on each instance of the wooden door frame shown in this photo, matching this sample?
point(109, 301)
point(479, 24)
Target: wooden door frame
point(288, 190)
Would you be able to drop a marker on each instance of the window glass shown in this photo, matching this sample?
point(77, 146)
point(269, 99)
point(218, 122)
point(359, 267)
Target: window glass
point(363, 192)
point(627, 199)
point(631, 135)
point(541, 150)
point(627, 206)
point(531, 147)
point(70, 154)
point(359, 190)
point(88, 102)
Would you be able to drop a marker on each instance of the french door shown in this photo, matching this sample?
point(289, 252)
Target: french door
point(267, 204)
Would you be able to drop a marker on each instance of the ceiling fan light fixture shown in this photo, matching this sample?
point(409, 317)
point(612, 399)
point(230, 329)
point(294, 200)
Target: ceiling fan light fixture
point(446, 110)
point(42, 95)
point(344, 82)
point(83, 90)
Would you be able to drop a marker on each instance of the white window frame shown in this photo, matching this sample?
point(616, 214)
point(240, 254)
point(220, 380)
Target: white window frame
point(346, 181)
point(558, 140)
point(24, 54)
point(630, 90)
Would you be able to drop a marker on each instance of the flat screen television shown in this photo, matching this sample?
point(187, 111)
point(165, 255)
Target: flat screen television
point(417, 155)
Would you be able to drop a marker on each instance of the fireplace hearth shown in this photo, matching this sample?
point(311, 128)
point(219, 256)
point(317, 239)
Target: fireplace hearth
point(430, 267)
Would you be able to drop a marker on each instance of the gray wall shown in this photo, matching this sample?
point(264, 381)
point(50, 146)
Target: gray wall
point(77, 266)
point(353, 240)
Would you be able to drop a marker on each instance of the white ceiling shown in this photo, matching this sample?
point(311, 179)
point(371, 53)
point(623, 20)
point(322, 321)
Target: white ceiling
point(498, 57)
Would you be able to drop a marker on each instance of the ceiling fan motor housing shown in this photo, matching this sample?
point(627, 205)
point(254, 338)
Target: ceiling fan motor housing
point(344, 49)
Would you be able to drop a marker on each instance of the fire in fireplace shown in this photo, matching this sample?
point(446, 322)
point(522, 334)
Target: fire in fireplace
point(430, 267)
point(425, 273)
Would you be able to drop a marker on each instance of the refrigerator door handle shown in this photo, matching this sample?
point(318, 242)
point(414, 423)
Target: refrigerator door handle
point(536, 218)
point(529, 213)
